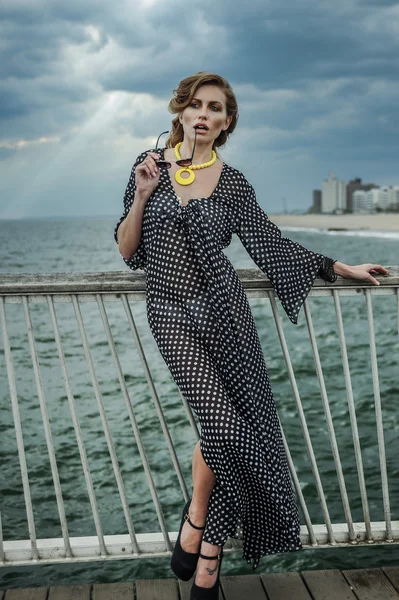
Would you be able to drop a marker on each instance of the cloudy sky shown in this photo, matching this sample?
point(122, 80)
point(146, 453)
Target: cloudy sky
point(85, 86)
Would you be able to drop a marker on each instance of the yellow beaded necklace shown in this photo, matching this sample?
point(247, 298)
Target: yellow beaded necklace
point(190, 170)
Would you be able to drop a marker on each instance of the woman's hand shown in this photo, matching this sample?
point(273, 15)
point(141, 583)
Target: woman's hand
point(364, 272)
point(147, 175)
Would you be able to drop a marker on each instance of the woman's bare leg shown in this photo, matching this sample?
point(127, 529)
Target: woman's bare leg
point(207, 570)
point(203, 482)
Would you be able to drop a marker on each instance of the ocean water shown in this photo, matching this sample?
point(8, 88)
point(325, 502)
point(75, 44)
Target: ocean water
point(86, 245)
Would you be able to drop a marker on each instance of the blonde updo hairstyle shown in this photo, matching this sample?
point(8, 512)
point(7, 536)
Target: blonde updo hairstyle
point(183, 96)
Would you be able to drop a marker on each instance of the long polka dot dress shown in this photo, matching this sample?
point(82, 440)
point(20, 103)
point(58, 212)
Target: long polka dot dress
point(200, 317)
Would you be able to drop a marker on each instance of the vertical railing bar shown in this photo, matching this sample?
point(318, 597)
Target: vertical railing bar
point(397, 299)
point(378, 417)
point(156, 401)
point(128, 402)
point(330, 424)
point(145, 463)
point(299, 492)
point(302, 418)
point(104, 421)
point(76, 426)
point(47, 429)
point(148, 375)
point(2, 555)
point(18, 433)
point(353, 418)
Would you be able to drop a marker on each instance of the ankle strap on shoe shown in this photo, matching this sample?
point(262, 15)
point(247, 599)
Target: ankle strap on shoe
point(187, 518)
point(211, 557)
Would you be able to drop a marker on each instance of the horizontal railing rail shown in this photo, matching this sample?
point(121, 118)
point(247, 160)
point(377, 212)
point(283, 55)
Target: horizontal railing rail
point(253, 281)
point(56, 349)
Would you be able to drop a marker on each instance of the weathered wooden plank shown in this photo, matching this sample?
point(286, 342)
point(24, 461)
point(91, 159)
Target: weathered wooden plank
point(370, 584)
point(367, 584)
point(285, 586)
point(243, 586)
point(185, 587)
point(328, 585)
point(33, 593)
point(156, 589)
point(113, 591)
point(393, 575)
point(70, 592)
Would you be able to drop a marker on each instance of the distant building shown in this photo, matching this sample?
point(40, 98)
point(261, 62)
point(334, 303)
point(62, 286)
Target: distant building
point(333, 195)
point(393, 202)
point(353, 186)
point(384, 198)
point(363, 201)
point(388, 198)
point(316, 201)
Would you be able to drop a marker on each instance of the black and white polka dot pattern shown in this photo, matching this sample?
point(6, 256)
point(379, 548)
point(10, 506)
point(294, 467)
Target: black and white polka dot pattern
point(200, 317)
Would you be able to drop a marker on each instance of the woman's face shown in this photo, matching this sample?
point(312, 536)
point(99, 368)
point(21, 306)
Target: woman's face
point(207, 109)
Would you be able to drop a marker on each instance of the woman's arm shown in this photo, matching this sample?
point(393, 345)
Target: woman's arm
point(291, 268)
point(144, 178)
point(363, 271)
point(129, 230)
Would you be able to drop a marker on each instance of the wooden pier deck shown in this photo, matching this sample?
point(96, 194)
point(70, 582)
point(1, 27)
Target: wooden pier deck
point(360, 584)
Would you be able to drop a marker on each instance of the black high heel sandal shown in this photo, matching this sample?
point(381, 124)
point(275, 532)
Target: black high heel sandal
point(200, 593)
point(184, 563)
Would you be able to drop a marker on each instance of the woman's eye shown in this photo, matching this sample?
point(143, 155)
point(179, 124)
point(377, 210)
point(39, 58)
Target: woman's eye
point(215, 108)
point(194, 104)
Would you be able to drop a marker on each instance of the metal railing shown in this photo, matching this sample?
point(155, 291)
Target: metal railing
point(125, 290)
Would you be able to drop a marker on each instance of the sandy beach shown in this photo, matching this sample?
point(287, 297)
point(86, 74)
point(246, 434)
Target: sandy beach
point(377, 222)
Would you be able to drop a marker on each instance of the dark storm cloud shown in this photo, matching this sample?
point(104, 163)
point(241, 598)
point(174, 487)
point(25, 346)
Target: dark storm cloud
point(282, 47)
point(32, 40)
point(268, 43)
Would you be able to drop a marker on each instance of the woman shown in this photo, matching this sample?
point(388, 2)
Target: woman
point(176, 222)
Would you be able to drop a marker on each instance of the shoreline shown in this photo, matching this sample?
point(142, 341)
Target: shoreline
point(354, 222)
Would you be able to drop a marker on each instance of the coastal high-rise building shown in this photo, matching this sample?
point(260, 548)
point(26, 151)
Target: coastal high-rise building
point(363, 201)
point(388, 197)
point(393, 200)
point(384, 198)
point(333, 195)
point(353, 186)
point(316, 206)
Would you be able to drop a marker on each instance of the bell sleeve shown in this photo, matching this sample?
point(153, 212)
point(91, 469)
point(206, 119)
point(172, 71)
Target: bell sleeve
point(291, 268)
point(138, 260)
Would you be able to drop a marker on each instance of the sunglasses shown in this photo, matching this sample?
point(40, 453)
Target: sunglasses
point(183, 162)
